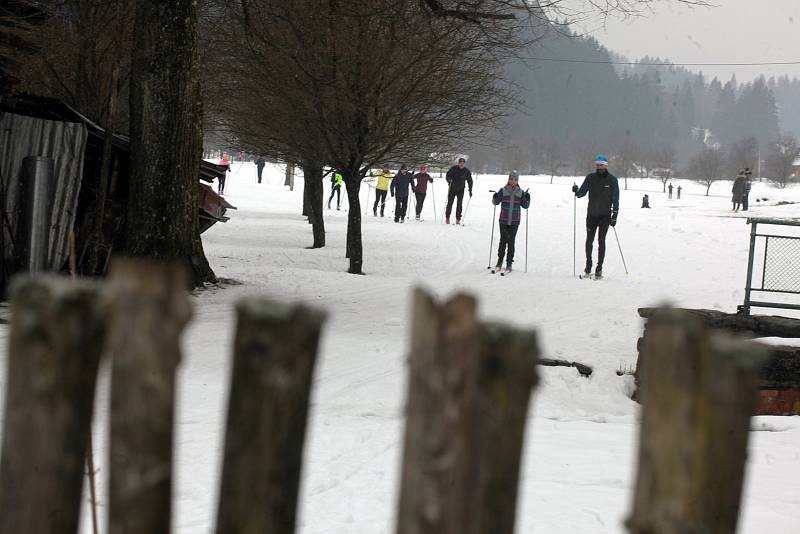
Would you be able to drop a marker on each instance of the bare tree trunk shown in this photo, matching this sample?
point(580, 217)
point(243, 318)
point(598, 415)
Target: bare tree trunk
point(698, 391)
point(275, 351)
point(97, 240)
point(467, 405)
point(57, 334)
point(148, 309)
point(354, 248)
point(166, 137)
point(313, 191)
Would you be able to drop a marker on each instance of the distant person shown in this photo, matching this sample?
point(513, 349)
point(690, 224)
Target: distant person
point(748, 184)
point(401, 184)
point(679, 192)
point(336, 187)
point(511, 199)
point(739, 185)
point(457, 177)
point(603, 190)
point(381, 189)
point(421, 180)
point(225, 162)
point(260, 163)
point(646, 201)
point(670, 191)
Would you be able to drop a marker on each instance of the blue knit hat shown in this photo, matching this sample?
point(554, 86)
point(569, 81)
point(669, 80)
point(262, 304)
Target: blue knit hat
point(601, 160)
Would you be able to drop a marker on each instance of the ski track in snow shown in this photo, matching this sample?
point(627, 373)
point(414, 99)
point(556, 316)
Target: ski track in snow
point(580, 451)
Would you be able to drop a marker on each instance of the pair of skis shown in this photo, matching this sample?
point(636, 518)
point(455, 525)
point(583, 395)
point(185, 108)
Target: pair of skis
point(495, 270)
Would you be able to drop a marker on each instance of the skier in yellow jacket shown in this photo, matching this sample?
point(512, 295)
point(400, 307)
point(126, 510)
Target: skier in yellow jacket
point(381, 189)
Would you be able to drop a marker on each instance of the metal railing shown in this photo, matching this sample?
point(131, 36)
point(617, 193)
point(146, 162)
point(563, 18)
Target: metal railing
point(778, 261)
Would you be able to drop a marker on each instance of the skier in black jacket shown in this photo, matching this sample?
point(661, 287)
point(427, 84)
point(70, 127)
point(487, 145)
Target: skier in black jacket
point(602, 211)
point(401, 183)
point(456, 177)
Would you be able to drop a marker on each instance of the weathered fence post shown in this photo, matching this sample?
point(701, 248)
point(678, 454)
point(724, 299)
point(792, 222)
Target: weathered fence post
point(698, 390)
point(56, 340)
point(148, 309)
point(468, 396)
point(274, 355)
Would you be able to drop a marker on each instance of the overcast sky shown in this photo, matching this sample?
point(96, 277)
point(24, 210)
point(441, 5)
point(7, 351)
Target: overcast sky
point(736, 31)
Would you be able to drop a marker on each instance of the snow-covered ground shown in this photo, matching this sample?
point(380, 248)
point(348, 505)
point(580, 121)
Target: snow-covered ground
point(580, 453)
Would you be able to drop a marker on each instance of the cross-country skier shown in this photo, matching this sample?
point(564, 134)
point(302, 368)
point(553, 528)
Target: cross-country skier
point(748, 184)
point(456, 177)
point(646, 201)
point(421, 180)
point(336, 187)
point(511, 199)
point(401, 183)
point(381, 188)
point(603, 190)
point(260, 163)
point(670, 191)
point(738, 190)
point(225, 162)
point(679, 192)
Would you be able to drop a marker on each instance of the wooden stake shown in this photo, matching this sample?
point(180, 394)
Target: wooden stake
point(148, 309)
point(468, 397)
point(698, 391)
point(274, 355)
point(57, 334)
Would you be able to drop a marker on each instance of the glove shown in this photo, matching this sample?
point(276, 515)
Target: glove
point(470, 192)
point(614, 219)
point(574, 188)
point(392, 194)
point(526, 196)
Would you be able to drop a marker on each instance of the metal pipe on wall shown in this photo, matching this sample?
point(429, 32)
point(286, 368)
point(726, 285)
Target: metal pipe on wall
point(38, 187)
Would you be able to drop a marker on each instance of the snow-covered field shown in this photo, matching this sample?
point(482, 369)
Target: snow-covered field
point(580, 452)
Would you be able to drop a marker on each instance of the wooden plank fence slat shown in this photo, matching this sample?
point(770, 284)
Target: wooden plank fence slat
point(56, 341)
point(698, 390)
point(275, 351)
point(468, 396)
point(148, 309)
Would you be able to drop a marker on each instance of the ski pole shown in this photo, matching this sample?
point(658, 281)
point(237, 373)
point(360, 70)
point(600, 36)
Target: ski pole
point(620, 249)
point(526, 235)
point(433, 199)
point(466, 209)
point(491, 240)
point(574, 229)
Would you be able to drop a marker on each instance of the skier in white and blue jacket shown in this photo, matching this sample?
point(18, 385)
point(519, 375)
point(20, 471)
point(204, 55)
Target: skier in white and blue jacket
point(511, 199)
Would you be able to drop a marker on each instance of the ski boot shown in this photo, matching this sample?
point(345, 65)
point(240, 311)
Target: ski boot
point(447, 220)
point(598, 272)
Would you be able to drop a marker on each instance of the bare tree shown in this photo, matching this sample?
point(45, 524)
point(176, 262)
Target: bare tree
point(551, 155)
point(743, 154)
point(707, 166)
point(359, 90)
point(780, 160)
point(626, 154)
point(664, 160)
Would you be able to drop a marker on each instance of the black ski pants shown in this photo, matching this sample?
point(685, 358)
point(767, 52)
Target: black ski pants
point(594, 223)
point(221, 184)
point(338, 191)
point(452, 194)
point(260, 172)
point(420, 202)
point(400, 207)
point(508, 236)
point(380, 197)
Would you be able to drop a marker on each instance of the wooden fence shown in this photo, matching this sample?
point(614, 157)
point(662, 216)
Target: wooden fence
point(469, 389)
